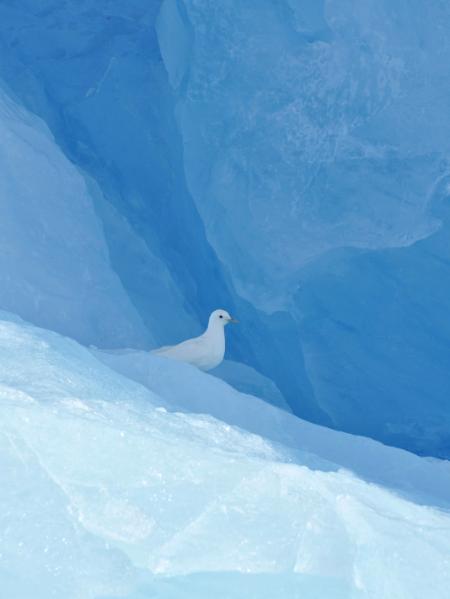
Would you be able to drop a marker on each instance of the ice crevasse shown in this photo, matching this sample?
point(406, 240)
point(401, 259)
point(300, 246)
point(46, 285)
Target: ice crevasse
point(315, 138)
point(161, 159)
point(284, 160)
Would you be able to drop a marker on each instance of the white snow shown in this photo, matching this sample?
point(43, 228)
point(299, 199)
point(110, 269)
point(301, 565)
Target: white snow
point(105, 494)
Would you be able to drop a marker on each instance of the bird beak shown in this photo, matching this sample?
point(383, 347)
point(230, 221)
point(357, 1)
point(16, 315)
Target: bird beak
point(234, 320)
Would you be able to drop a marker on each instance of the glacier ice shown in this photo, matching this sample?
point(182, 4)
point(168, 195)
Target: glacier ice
point(109, 490)
point(248, 380)
point(286, 160)
point(305, 158)
point(189, 390)
point(110, 108)
point(389, 361)
point(316, 149)
point(54, 266)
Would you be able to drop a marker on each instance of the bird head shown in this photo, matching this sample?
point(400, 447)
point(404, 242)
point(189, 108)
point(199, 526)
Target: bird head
point(221, 317)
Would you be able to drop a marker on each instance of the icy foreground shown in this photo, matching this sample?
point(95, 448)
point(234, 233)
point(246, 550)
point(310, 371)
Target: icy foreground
point(108, 492)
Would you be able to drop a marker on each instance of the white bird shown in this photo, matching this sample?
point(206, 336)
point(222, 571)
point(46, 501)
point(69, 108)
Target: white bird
point(207, 350)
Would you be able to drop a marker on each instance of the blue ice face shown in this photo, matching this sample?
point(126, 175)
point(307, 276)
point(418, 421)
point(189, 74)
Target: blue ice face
point(313, 128)
point(109, 104)
point(285, 160)
point(306, 127)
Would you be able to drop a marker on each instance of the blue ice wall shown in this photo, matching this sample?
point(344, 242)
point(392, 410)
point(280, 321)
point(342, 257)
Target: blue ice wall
point(286, 160)
point(316, 141)
point(94, 73)
point(54, 262)
point(376, 333)
point(307, 127)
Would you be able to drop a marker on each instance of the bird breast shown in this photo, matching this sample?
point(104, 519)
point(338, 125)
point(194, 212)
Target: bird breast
point(214, 349)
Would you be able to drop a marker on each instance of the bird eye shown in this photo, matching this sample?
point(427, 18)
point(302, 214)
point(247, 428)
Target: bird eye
point(220, 316)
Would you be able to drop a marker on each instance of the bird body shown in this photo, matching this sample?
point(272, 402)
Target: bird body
point(207, 350)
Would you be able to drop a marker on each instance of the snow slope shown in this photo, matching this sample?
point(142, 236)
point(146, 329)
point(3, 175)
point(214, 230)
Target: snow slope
point(108, 491)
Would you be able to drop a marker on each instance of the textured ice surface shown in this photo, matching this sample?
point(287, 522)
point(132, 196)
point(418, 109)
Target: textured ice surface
point(107, 493)
point(297, 128)
point(103, 90)
point(91, 70)
point(291, 166)
point(376, 338)
point(285, 160)
point(310, 128)
point(188, 389)
point(248, 380)
point(54, 263)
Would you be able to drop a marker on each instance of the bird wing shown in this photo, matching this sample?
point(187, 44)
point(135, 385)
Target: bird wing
point(191, 350)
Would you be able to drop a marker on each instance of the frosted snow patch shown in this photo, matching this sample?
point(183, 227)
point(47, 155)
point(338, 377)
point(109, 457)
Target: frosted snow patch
point(106, 501)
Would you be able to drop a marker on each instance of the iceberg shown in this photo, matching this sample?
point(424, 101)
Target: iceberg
point(287, 161)
point(54, 265)
point(295, 118)
point(316, 154)
point(104, 92)
point(113, 490)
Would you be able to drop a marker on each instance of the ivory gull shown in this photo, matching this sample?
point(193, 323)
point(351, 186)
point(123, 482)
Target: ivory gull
point(207, 350)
